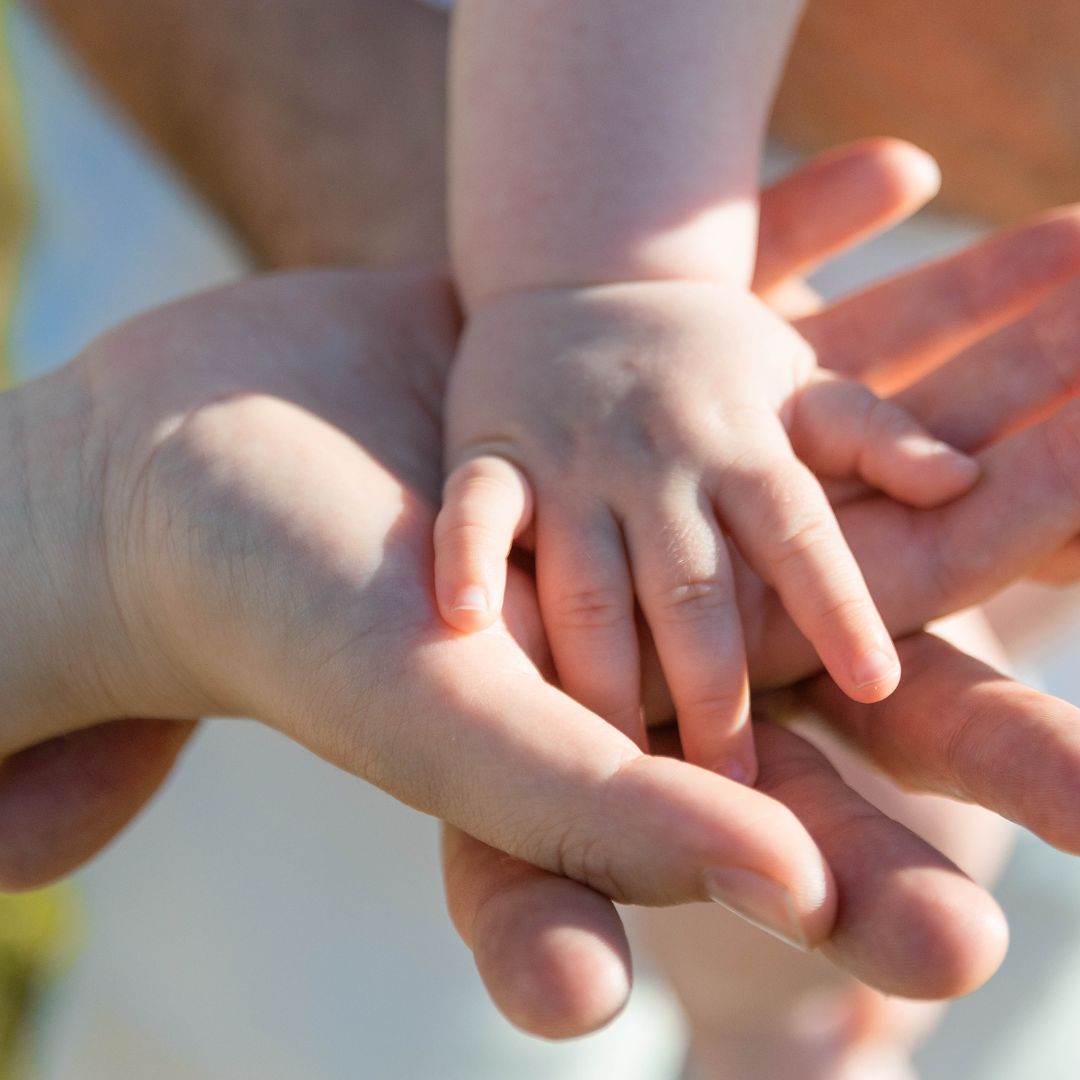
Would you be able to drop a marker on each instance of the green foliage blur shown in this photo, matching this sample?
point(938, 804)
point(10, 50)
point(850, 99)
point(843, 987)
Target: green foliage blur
point(36, 938)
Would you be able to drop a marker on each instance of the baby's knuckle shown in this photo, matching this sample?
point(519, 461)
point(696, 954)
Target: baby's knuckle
point(802, 540)
point(711, 702)
point(467, 533)
point(695, 598)
point(591, 607)
point(849, 610)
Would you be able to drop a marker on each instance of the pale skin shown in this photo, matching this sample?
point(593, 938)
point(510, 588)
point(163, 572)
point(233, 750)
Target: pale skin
point(156, 649)
point(620, 400)
point(193, 612)
point(230, 144)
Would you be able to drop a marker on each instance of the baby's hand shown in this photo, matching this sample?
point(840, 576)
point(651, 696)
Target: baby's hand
point(650, 422)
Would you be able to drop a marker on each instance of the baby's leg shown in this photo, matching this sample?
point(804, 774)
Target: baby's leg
point(757, 1008)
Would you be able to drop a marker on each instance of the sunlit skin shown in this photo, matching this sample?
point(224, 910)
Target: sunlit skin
point(221, 549)
point(619, 395)
point(230, 144)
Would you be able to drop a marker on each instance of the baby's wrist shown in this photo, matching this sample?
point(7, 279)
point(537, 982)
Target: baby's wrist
point(717, 247)
point(509, 306)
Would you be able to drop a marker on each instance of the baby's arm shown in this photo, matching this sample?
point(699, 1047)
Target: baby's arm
point(595, 142)
point(616, 372)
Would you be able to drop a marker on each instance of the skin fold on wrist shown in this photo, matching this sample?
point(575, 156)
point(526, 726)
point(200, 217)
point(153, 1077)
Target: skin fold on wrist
point(49, 537)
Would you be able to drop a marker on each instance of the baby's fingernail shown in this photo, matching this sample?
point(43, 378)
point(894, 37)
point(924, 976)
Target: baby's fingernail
point(472, 598)
point(874, 667)
point(759, 900)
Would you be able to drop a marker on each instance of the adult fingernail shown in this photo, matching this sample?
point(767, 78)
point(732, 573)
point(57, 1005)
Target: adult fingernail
point(928, 446)
point(956, 458)
point(874, 667)
point(472, 598)
point(759, 900)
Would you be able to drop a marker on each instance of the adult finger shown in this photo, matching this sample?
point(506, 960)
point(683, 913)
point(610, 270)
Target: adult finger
point(552, 953)
point(63, 800)
point(835, 201)
point(532, 773)
point(1010, 378)
point(958, 727)
point(890, 333)
point(909, 922)
point(1025, 507)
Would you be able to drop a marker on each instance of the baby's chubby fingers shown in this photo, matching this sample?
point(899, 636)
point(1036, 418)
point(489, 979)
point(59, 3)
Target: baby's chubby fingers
point(587, 601)
point(686, 588)
point(843, 430)
point(487, 503)
point(786, 529)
